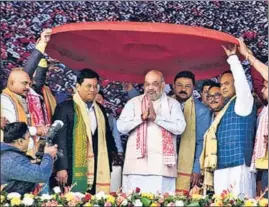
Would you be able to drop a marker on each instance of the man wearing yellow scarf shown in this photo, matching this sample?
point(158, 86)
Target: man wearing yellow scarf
point(197, 117)
point(229, 141)
point(86, 139)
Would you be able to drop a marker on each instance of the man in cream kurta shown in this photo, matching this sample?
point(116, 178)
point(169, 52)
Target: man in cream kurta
point(153, 121)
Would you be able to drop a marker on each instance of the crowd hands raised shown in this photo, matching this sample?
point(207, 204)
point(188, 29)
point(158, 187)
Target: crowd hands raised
point(168, 137)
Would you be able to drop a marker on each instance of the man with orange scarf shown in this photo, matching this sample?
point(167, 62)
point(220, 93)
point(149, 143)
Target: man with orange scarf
point(14, 103)
point(153, 120)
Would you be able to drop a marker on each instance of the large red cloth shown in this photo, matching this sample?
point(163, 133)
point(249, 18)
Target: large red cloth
point(125, 51)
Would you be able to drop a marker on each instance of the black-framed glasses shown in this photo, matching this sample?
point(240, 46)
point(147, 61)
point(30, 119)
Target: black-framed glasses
point(210, 97)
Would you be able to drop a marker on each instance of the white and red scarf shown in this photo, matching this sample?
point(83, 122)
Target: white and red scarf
point(36, 109)
point(169, 155)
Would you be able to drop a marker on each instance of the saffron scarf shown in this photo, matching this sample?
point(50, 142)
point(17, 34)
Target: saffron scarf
point(20, 113)
point(21, 116)
point(50, 102)
point(83, 155)
point(208, 158)
point(169, 155)
point(187, 148)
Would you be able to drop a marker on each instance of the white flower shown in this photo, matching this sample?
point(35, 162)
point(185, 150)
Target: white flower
point(129, 197)
point(129, 193)
point(171, 193)
point(28, 201)
point(100, 195)
point(96, 205)
point(124, 202)
point(57, 189)
point(6, 205)
point(179, 203)
point(79, 195)
point(138, 203)
point(45, 197)
point(13, 195)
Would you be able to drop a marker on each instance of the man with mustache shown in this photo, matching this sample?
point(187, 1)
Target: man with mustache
point(14, 105)
point(215, 99)
point(153, 121)
point(206, 85)
point(197, 117)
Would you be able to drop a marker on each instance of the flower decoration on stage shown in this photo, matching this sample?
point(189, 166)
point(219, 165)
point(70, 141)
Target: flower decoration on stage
point(132, 199)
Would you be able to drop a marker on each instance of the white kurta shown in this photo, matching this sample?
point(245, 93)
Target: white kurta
point(240, 177)
point(242, 180)
point(143, 172)
point(148, 183)
point(9, 111)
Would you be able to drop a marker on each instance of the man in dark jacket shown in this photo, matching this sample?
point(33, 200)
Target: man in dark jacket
point(18, 174)
point(86, 139)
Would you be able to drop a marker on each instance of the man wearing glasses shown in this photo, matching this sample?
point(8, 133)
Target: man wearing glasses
point(153, 120)
point(215, 99)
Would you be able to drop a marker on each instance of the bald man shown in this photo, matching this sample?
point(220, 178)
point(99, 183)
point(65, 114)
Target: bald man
point(152, 121)
point(13, 101)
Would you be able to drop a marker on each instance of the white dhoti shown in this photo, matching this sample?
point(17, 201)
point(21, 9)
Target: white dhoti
point(242, 180)
point(116, 175)
point(148, 183)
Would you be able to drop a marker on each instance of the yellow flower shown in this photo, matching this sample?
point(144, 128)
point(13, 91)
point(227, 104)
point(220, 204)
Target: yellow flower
point(217, 197)
point(54, 196)
point(88, 204)
point(111, 199)
point(218, 203)
point(29, 195)
point(197, 197)
point(92, 197)
point(2, 199)
point(263, 202)
point(147, 195)
point(250, 203)
point(154, 204)
point(15, 201)
point(69, 196)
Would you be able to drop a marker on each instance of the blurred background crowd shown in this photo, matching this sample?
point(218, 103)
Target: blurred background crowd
point(22, 23)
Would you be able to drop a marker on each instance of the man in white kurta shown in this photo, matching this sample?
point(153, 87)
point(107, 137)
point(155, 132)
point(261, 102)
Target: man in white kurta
point(150, 161)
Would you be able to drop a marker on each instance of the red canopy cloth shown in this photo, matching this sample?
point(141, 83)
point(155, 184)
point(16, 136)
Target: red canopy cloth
point(125, 51)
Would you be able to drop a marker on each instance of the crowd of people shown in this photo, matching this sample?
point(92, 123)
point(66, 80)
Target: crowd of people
point(175, 141)
point(22, 22)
